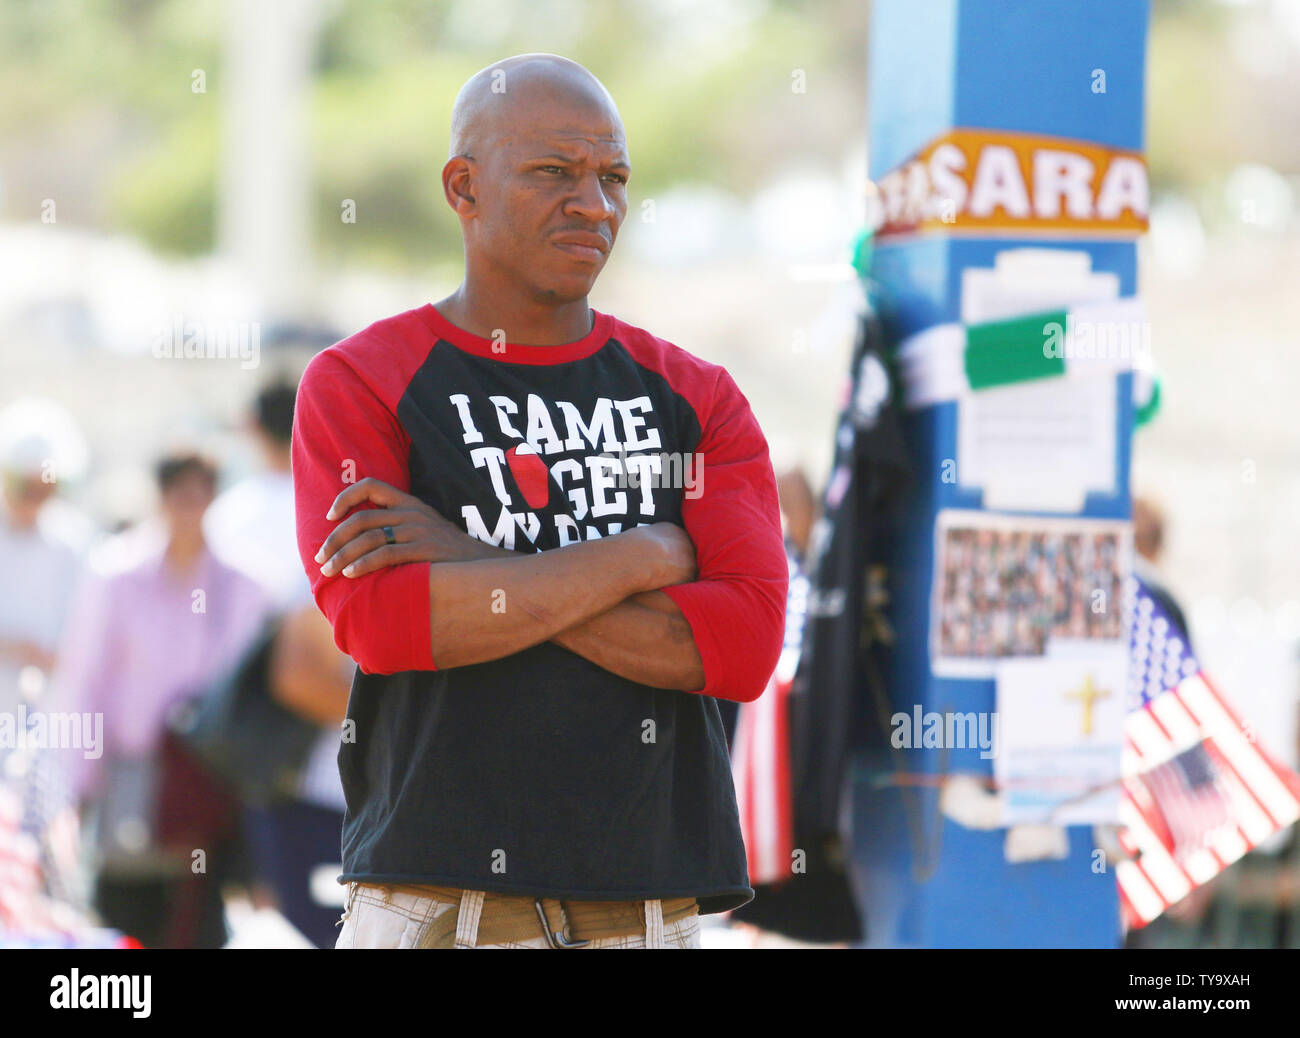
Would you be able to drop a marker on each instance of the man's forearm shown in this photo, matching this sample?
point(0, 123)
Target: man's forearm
point(493, 607)
point(645, 639)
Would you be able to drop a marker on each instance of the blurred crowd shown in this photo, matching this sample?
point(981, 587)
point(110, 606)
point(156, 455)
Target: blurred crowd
point(171, 697)
point(128, 660)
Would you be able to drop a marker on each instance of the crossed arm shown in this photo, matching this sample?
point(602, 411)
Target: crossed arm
point(599, 599)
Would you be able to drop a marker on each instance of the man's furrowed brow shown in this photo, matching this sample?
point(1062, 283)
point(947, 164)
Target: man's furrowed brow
point(574, 144)
point(617, 161)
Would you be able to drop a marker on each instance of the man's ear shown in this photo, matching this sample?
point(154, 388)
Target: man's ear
point(458, 185)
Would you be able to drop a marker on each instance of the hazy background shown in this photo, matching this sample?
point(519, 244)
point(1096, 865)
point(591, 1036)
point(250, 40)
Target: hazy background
point(195, 158)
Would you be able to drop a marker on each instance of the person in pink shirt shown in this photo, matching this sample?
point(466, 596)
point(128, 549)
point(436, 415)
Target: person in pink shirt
point(154, 624)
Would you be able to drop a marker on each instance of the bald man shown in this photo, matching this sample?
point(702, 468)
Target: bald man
point(551, 543)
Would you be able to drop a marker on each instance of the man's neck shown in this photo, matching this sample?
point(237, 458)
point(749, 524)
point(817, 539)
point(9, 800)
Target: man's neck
point(279, 461)
point(183, 552)
point(524, 323)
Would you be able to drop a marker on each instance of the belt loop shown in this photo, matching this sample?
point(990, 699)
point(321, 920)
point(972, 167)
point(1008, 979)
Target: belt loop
point(654, 924)
point(467, 917)
point(347, 903)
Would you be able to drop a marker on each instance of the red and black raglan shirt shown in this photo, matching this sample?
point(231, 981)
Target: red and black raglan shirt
point(540, 773)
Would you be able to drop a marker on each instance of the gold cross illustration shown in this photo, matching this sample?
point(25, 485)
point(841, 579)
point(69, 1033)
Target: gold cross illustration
point(1088, 696)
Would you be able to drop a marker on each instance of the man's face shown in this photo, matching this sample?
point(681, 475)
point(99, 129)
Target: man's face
point(551, 198)
point(26, 492)
point(186, 499)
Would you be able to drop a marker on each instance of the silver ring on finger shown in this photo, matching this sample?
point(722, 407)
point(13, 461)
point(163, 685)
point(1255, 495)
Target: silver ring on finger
point(389, 536)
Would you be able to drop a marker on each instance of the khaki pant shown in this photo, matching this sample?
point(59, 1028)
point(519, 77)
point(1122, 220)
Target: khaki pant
point(383, 916)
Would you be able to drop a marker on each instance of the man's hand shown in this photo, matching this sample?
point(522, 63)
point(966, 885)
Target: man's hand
point(644, 638)
point(358, 546)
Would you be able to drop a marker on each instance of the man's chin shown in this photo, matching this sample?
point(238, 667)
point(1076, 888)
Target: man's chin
point(566, 290)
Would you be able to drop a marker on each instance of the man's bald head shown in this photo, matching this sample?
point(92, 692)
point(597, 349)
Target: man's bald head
point(498, 100)
point(538, 175)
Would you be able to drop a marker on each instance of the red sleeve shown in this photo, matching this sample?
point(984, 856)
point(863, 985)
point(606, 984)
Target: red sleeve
point(736, 607)
point(343, 432)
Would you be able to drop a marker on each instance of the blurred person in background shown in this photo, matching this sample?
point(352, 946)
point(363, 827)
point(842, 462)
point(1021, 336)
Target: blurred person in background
point(798, 511)
point(1255, 903)
point(155, 627)
point(41, 555)
point(1148, 546)
point(1191, 922)
point(42, 545)
point(835, 658)
point(251, 526)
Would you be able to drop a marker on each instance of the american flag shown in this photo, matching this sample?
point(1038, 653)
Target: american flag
point(38, 847)
point(760, 758)
point(20, 870)
point(1199, 790)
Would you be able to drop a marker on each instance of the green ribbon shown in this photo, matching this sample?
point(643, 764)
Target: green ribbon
point(999, 353)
